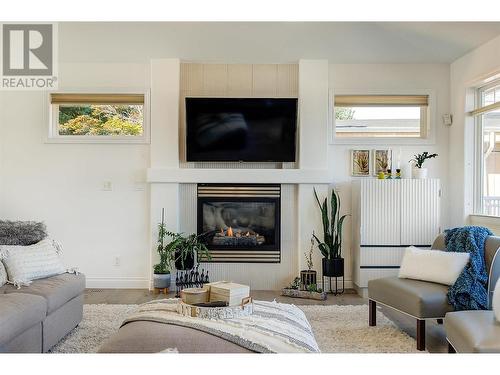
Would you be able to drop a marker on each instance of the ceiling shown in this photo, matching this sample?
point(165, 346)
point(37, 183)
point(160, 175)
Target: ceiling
point(259, 42)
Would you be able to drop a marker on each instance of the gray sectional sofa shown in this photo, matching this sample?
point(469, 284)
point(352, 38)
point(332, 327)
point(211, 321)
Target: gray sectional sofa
point(34, 318)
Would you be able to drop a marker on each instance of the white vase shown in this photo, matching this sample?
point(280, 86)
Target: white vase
point(419, 173)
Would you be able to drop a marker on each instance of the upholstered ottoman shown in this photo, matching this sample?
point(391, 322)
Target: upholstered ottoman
point(152, 337)
point(162, 325)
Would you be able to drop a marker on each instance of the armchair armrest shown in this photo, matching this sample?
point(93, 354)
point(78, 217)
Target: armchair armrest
point(494, 275)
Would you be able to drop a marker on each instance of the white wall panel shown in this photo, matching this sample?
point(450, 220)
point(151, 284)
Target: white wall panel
point(380, 212)
point(381, 256)
point(420, 218)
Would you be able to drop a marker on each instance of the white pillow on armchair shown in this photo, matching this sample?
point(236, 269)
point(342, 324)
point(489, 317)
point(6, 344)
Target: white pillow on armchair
point(442, 267)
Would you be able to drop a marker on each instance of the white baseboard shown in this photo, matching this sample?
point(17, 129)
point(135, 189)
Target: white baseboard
point(145, 283)
point(117, 282)
point(363, 292)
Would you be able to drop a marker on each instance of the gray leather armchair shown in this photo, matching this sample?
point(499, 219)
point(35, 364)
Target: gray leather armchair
point(424, 300)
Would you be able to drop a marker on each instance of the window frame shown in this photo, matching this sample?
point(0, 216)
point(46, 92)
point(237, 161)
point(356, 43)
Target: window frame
point(53, 136)
point(430, 120)
point(478, 188)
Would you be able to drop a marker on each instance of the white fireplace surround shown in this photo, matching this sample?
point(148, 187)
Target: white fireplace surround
point(172, 186)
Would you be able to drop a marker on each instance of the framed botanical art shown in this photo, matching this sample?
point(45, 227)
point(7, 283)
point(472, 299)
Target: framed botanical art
point(360, 163)
point(382, 161)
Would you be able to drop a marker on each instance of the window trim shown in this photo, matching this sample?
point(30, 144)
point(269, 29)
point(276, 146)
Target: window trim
point(430, 120)
point(477, 114)
point(52, 133)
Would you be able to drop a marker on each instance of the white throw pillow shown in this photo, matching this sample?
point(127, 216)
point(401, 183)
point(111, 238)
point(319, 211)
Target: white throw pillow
point(26, 263)
point(496, 300)
point(3, 274)
point(442, 267)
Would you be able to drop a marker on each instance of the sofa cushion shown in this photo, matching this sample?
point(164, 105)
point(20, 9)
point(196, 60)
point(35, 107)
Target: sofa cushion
point(420, 299)
point(57, 290)
point(19, 312)
point(473, 331)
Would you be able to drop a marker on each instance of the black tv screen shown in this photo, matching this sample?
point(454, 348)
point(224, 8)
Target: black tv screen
point(238, 129)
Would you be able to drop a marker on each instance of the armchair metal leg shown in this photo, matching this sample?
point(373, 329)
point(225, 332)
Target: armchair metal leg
point(451, 349)
point(372, 313)
point(420, 334)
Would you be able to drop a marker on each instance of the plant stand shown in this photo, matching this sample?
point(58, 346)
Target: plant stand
point(160, 290)
point(335, 291)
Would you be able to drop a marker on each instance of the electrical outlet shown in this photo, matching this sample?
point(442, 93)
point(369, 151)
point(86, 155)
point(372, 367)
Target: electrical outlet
point(117, 260)
point(107, 186)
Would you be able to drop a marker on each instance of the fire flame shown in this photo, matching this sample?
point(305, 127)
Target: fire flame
point(230, 232)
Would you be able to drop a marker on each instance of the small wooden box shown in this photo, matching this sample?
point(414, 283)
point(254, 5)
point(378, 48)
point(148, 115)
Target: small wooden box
point(194, 295)
point(231, 293)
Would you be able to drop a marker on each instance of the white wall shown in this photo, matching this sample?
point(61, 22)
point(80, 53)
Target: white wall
point(61, 183)
point(392, 77)
point(466, 73)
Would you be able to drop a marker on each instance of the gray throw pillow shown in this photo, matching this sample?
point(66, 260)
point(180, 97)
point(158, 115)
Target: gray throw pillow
point(21, 233)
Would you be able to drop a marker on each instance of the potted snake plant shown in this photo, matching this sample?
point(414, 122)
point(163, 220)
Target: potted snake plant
point(331, 245)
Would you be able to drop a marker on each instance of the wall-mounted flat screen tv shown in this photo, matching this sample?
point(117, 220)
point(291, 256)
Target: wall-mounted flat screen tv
point(241, 129)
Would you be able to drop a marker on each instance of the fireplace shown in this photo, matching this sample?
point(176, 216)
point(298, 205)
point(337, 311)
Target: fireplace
point(240, 222)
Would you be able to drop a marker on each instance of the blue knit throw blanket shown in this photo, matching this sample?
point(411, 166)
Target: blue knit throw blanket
point(470, 290)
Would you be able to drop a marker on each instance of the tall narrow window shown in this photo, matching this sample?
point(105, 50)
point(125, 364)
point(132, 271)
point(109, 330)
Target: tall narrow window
point(381, 116)
point(102, 117)
point(487, 115)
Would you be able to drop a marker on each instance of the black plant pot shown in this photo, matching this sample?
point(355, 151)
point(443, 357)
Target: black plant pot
point(333, 267)
point(184, 264)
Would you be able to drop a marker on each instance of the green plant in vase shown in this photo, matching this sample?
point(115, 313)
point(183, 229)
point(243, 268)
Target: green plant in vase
point(186, 248)
point(161, 270)
point(418, 161)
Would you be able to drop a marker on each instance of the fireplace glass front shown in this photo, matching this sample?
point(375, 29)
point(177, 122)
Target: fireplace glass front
point(240, 223)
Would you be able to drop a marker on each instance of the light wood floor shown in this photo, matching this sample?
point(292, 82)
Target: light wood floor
point(436, 338)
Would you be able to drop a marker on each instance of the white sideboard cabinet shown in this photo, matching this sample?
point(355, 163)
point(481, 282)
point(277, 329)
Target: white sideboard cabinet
point(387, 217)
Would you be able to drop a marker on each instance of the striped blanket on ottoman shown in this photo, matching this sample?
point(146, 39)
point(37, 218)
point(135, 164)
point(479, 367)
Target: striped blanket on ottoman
point(272, 328)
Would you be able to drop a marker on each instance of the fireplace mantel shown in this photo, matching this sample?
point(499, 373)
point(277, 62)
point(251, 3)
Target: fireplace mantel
point(268, 176)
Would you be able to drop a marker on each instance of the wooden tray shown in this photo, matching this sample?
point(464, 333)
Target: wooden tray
point(226, 312)
point(295, 293)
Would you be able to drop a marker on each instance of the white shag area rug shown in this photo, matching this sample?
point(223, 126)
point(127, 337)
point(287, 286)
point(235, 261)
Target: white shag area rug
point(344, 329)
point(338, 329)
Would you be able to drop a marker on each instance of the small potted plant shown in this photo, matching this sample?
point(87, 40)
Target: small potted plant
point(418, 160)
point(331, 245)
point(161, 270)
point(185, 249)
point(308, 277)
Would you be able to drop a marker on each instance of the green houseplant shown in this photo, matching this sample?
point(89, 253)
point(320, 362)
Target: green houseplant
point(161, 270)
point(185, 248)
point(418, 160)
point(331, 245)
